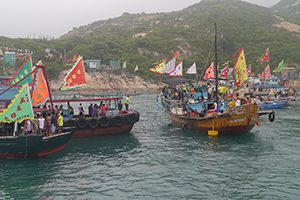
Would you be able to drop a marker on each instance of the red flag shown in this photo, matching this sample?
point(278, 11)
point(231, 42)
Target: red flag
point(267, 72)
point(285, 73)
point(249, 70)
point(176, 55)
point(224, 72)
point(209, 72)
point(264, 57)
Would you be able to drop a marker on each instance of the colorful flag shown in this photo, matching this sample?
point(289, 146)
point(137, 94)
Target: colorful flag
point(158, 69)
point(76, 76)
point(176, 55)
point(40, 91)
point(285, 73)
point(124, 65)
point(209, 72)
point(280, 67)
point(170, 66)
point(177, 71)
point(264, 57)
point(20, 107)
point(249, 70)
point(259, 75)
point(256, 91)
point(225, 63)
point(266, 73)
point(136, 68)
point(240, 71)
point(192, 69)
point(23, 71)
point(224, 72)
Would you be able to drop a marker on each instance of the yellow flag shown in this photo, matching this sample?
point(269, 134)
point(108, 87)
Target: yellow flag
point(240, 68)
point(159, 68)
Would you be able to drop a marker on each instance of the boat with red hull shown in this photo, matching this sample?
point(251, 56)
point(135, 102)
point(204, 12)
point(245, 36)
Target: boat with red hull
point(34, 145)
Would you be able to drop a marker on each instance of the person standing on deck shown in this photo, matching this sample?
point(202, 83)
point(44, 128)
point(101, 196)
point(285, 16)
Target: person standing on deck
point(91, 110)
point(120, 106)
point(104, 108)
point(41, 124)
point(60, 123)
point(127, 102)
point(80, 109)
point(48, 124)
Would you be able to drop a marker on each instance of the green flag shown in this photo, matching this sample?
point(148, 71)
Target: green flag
point(280, 67)
point(23, 71)
point(20, 108)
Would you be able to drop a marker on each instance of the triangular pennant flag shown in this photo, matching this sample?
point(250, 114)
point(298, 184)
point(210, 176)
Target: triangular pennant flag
point(285, 73)
point(20, 107)
point(40, 92)
point(76, 76)
point(136, 68)
point(176, 55)
point(124, 65)
point(209, 72)
point(23, 71)
point(240, 68)
point(266, 73)
point(177, 71)
point(280, 67)
point(170, 66)
point(264, 57)
point(249, 70)
point(192, 69)
point(159, 68)
point(224, 72)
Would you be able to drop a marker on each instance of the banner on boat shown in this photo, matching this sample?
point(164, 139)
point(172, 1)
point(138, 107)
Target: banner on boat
point(23, 71)
point(209, 72)
point(264, 57)
point(192, 69)
point(159, 68)
point(240, 68)
point(20, 108)
point(76, 77)
point(170, 66)
point(177, 71)
point(280, 67)
point(40, 92)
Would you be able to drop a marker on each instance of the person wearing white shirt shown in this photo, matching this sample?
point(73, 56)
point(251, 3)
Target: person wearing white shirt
point(41, 124)
point(28, 127)
point(237, 102)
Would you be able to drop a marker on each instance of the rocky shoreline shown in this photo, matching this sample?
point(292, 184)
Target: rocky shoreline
point(108, 82)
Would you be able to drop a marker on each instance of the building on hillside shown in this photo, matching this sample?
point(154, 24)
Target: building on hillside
point(9, 57)
point(92, 65)
point(291, 72)
point(115, 64)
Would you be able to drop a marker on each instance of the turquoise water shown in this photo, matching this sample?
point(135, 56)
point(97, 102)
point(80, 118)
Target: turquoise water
point(157, 161)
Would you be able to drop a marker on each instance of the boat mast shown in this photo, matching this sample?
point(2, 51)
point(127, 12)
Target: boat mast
point(216, 67)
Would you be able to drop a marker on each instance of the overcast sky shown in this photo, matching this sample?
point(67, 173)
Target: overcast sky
point(53, 18)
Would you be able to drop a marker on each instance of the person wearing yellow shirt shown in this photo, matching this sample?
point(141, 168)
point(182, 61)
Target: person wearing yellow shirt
point(60, 122)
point(231, 104)
point(127, 102)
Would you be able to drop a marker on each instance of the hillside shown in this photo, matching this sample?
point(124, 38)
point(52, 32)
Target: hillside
point(142, 39)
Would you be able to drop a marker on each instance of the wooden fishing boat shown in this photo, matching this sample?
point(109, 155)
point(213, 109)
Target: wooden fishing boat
point(34, 145)
point(228, 121)
point(87, 126)
point(14, 142)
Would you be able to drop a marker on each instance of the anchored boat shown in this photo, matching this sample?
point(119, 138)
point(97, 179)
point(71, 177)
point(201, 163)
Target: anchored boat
point(200, 115)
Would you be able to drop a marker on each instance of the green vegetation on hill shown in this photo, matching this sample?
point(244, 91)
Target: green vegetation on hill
point(190, 30)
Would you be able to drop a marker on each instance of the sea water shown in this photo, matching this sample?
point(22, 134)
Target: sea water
point(160, 161)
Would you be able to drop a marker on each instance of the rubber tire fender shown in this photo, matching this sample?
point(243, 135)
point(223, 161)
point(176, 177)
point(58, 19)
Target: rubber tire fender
point(82, 123)
point(104, 121)
point(132, 118)
point(70, 123)
point(272, 116)
point(118, 120)
point(93, 123)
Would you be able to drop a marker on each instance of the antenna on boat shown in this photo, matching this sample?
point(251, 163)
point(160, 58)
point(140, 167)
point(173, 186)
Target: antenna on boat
point(216, 67)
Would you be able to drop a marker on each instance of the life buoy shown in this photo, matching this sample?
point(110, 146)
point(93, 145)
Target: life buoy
point(93, 122)
point(104, 121)
point(82, 123)
point(70, 123)
point(118, 120)
point(272, 116)
point(131, 118)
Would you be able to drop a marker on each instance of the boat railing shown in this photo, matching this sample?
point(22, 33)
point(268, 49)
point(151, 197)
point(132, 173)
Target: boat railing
point(169, 104)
